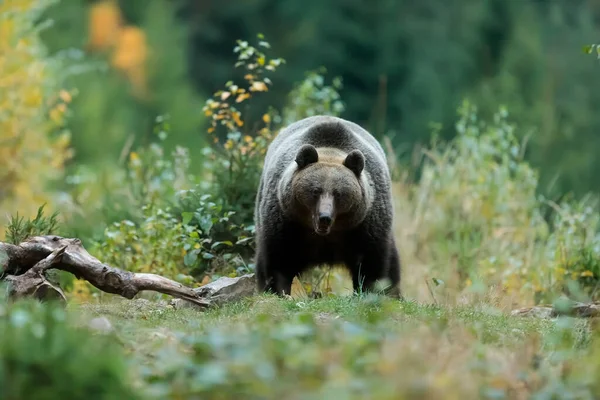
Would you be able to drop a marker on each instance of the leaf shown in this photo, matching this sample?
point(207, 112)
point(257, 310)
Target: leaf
point(243, 241)
point(242, 97)
point(225, 242)
point(259, 87)
point(186, 217)
point(207, 256)
point(206, 224)
point(589, 48)
point(437, 281)
point(190, 258)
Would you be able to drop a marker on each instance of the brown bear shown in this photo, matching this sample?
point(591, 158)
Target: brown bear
point(324, 198)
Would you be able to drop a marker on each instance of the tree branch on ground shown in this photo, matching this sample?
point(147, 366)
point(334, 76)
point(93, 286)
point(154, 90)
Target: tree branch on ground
point(23, 266)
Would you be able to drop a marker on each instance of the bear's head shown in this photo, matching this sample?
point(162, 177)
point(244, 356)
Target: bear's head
point(328, 189)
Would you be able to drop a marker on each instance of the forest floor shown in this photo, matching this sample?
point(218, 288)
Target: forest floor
point(343, 346)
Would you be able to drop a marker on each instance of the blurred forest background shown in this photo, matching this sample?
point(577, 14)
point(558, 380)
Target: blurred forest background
point(404, 65)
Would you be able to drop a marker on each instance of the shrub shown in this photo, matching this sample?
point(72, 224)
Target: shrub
point(182, 246)
point(188, 230)
point(476, 205)
point(478, 217)
point(33, 143)
point(20, 229)
point(42, 357)
point(570, 262)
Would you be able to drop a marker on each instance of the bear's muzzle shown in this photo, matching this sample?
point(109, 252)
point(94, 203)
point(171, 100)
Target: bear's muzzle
point(324, 215)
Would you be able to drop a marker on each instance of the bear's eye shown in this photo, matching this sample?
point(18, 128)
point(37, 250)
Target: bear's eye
point(316, 191)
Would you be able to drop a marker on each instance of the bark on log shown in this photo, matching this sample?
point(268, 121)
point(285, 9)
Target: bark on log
point(23, 267)
point(576, 309)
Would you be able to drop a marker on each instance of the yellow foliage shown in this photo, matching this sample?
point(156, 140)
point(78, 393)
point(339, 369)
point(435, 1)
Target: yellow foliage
point(105, 24)
point(32, 106)
point(130, 57)
point(127, 44)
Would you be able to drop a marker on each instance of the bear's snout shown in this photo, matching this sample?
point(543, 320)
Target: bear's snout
point(325, 215)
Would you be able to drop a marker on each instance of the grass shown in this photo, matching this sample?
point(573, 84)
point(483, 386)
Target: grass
point(343, 346)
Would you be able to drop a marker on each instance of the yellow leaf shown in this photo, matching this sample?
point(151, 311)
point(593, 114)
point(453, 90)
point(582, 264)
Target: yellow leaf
point(104, 24)
point(242, 97)
point(225, 95)
point(197, 246)
point(587, 273)
point(211, 129)
point(65, 96)
point(133, 156)
point(237, 119)
point(261, 61)
point(266, 118)
point(259, 86)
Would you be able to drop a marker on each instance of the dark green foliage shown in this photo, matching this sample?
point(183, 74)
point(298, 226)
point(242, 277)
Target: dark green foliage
point(20, 229)
point(42, 357)
point(406, 64)
point(217, 233)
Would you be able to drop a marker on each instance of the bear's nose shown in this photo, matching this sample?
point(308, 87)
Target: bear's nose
point(325, 219)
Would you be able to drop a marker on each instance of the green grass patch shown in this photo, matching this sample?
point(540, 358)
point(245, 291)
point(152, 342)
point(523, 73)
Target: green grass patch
point(348, 347)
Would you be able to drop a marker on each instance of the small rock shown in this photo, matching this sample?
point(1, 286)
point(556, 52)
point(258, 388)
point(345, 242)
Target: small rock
point(101, 324)
point(223, 290)
point(324, 318)
point(537, 312)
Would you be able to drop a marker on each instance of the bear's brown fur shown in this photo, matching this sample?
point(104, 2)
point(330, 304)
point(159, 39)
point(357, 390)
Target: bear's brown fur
point(325, 198)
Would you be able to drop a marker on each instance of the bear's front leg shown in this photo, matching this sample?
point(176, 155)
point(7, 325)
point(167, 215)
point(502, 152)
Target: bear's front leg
point(376, 263)
point(394, 271)
point(275, 270)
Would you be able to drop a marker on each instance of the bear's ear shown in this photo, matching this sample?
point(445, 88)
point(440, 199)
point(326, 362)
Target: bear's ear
point(355, 161)
point(306, 155)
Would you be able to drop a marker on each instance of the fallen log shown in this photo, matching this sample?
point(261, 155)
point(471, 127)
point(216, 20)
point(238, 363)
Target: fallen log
point(574, 309)
point(23, 267)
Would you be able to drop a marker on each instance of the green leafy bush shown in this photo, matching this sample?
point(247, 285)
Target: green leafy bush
point(476, 204)
point(184, 246)
point(478, 217)
point(20, 229)
point(42, 357)
point(312, 97)
point(571, 258)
